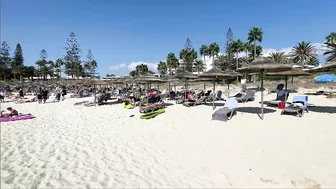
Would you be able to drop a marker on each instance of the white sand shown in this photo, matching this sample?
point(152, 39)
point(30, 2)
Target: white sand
point(74, 146)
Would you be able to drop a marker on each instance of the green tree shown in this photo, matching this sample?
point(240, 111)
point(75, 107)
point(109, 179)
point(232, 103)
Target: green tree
point(5, 60)
point(172, 62)
point(90, 65)
point(204, 51)
point(331, 52)
point(302, 52)
point(331, 38)
point(18, 62)
point(213, 51)
point(223, 62)
point(255, 35)
point(199, 66)
point(188, 56)
point(237, 47)
point(162, 68)
point(58, 66)
point(313, 61)
point(72, 58)
point(140, 69)
point(228, 43)
point(29, 72)
point(279, 57)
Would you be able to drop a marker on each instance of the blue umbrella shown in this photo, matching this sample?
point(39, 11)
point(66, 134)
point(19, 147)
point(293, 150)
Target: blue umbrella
point(327, 78)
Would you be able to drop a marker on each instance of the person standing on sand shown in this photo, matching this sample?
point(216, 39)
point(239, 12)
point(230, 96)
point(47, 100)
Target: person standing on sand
point(21, 93)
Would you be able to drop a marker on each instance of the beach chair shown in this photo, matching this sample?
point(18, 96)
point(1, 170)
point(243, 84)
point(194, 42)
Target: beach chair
point(281, 97)
point(199, 101)
point(278, 88)
point(249, 96)
point(151, 107)
point(227, 112)
point(298, 106)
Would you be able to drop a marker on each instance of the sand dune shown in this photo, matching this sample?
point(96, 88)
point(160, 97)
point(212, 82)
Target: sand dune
point(70, 146)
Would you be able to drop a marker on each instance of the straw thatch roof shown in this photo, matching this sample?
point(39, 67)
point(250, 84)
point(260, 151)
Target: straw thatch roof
point(264, 64)
point(93, 82)
point(148, 78)
point(330, 65)
point(216, 73)
point(185, 75)
point(293, 72)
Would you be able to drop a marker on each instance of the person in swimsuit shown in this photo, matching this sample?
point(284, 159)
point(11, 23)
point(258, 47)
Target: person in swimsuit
point(12, 112)
point(21, 94)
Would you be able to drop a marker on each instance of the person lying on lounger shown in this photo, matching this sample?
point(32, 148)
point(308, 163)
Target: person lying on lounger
point(12, 112)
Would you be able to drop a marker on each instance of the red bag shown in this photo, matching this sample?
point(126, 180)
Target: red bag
point(281, 105)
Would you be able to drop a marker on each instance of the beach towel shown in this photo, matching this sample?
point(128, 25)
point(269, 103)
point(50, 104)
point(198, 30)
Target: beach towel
point(128, 106)
point(17, 118)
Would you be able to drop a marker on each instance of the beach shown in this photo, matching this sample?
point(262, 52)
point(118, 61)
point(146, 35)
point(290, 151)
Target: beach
point(69, 146)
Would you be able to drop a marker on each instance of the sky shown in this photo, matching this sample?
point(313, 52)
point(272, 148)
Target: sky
point(124, 33)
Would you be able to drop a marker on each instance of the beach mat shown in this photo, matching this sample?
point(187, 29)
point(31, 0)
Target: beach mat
point(153, 114)
point(17, 118)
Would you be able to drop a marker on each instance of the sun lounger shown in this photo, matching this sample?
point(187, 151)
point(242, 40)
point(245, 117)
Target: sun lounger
point(294, 109)
point(227, 112)
point(197, 102)
point(249, 96)
point(298, 106)
point(151, 107)
point(281, 97)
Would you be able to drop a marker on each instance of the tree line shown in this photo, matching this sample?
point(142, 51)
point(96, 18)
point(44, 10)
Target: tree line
point(13, 67)
point(303, 53)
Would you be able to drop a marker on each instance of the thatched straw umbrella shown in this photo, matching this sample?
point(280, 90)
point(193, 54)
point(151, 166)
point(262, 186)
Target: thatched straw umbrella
point(185, 75)
point(330, 65)
point(263, 65)
point(292, 73)
point(215, 73)
point(94, 83)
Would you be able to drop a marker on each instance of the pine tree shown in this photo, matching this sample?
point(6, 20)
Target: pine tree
point(5, 60)
point(72, 58)
point(18, 62)
point(228, 43)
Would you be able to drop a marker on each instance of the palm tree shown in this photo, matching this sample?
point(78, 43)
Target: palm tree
point(213, 51)
point(247, 46)
point(331, 38)
point(237, 47)
point(331, 52)
point(255, 35)
point(223, 62)
point(302, 52)
point(172, 62)
point(279, 57)
point(199, 66)
point(313, 61)
point(162, 68)
point(204, 51)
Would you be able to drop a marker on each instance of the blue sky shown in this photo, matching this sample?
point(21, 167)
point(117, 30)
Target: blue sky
point(122, 33)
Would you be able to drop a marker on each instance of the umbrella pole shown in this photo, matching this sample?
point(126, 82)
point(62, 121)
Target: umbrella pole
point(262, 93)
point(185, 90)
point(94, 93)
point(228, 90)
point(292, 84)
point(214, 94)
point(169, 89)
point(286, 81)
point(204, 86)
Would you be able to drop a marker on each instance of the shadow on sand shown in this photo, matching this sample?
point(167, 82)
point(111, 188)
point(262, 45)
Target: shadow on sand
point(323, 109)
point(255, 110)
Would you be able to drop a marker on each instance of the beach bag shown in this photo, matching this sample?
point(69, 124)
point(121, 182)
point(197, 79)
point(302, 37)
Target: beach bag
point(281, 105)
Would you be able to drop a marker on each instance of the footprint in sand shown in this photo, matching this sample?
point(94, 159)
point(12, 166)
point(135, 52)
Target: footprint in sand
point(306, 184)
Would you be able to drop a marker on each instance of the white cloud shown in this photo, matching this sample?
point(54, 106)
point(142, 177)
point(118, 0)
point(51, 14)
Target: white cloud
point(320, 49)
point(117, 67)
point(131, 66)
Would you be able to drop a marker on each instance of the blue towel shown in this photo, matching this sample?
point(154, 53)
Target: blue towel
point(302, 98)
